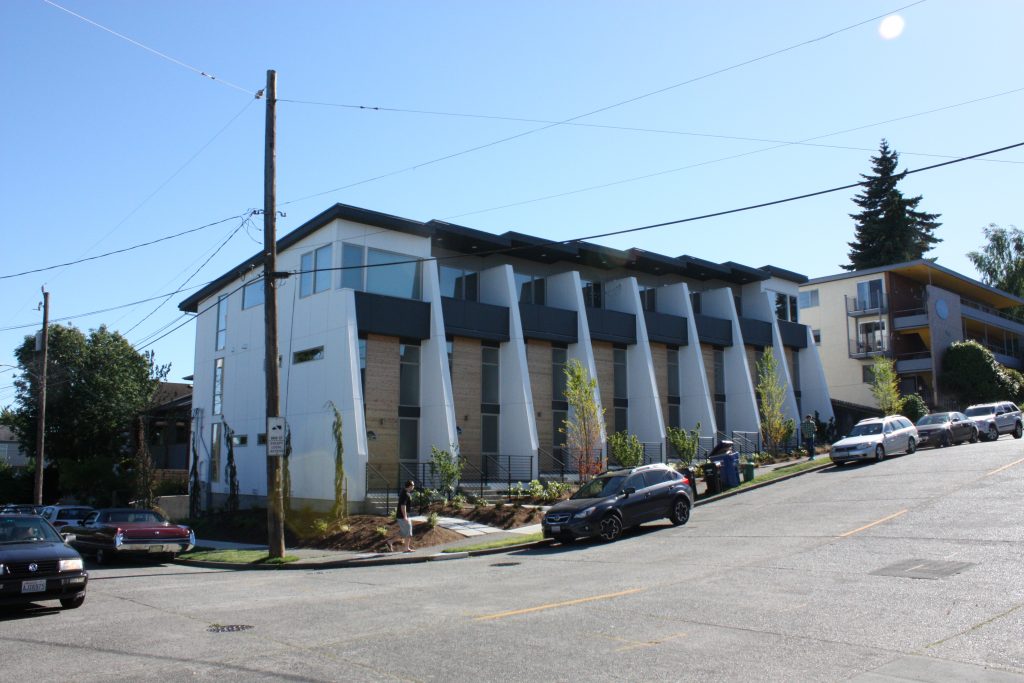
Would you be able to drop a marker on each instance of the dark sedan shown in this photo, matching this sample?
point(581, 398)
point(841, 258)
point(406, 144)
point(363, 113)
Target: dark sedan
point(946, 429)
point(36, 565)
point(129, 531)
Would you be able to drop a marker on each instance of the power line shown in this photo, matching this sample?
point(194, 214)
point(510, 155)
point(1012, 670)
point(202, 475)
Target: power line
point(189, 279)
point(730, 157)
point(662, 131)
point(607, 107)
point(121, 251)
point(136, 43)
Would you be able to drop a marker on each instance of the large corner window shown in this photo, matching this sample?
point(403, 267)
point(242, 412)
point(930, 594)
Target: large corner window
point(253, 294)
point(459, 283)
point(786, 307)
point(377, 271)
point(531, 288)
point(316, 271)
point(218, 386)
point(869, 295)
point(222, 322)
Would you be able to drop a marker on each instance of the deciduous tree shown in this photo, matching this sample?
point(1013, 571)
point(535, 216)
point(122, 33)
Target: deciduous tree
point(582, 429)
point(885, 386)
point(775, 426)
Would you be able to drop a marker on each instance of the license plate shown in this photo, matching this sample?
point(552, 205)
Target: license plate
point(556, 529)
point(156, 549)
point(33, 586)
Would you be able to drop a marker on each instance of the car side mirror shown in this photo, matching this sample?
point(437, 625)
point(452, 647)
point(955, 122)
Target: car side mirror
point(68, 537)
point(629, 491)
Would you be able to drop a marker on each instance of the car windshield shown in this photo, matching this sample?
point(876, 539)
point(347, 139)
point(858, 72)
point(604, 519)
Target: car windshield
point(133, 516)
point(936, 419)
point(601, 487)
point(866, 430)
point(980, 410)
point(23, 529)
point(73, 513)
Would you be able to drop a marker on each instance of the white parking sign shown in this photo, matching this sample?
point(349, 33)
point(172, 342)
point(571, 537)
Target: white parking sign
point(275, 436)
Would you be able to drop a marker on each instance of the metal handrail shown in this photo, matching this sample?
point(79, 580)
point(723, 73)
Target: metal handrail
point(372, 472)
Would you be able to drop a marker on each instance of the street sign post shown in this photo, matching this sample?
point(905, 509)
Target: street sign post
point(275, 437)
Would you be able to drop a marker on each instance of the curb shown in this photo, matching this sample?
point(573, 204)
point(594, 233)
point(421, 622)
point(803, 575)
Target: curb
point(443, 557)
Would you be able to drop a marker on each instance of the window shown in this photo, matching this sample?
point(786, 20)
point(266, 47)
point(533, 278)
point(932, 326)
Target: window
point(648, 298)
point(531, 289)
point(450, 347)
point(261, 439)
point(218, 386)
point(719, 374)
point(222, 321)
point(720, 416)
point(794, 371)
point(785, 307)
point(621, 419)
point(362, 369)
point(869, 294)
point(253, 294)
point(867, 374)
point(794, 310)
point(558, 418)
point(559, 358)
point(408, 438)
point(352, 263)
point(809, 299)
point(490, 374)
point(489, 434)
point(240, 440)
point(695, 301)
point(392, 274)
point(620, 378)
point(307, 355)
point(592, 294)
point(816, 334)
point(459, 283)
point(215, 438)
point(316, 273)
point(409, 375)
point(673, 372)
point(871, 336)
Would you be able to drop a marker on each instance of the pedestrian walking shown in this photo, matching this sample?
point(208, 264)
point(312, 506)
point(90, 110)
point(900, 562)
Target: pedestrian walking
point(404, 508)
point(808, 428)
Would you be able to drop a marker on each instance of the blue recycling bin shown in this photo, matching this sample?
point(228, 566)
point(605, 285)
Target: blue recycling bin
point(730, 470)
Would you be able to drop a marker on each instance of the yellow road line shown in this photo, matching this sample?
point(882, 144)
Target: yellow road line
point(567, 603)
point(875, 523)
point(1004, 467)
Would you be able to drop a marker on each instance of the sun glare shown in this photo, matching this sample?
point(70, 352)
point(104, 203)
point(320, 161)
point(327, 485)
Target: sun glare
point(891, 27)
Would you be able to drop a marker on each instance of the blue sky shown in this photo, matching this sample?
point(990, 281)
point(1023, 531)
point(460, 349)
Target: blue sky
point(107, 144)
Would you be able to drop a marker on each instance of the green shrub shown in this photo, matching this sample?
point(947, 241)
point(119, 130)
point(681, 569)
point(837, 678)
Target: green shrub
point(516, 491)
point(432, 520)
point(626, 448)
point(536, 490)
point(448, 466)
point(914, 407)
point(499, 505)
point(458, 500)
point(685, 443)
point(382, 531)
point(321, 525)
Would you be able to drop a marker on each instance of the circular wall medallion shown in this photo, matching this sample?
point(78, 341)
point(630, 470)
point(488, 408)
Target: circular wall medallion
point(941, 309)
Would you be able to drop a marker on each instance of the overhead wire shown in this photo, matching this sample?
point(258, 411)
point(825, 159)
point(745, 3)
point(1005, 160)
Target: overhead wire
point(201, 72)
point(620, 103)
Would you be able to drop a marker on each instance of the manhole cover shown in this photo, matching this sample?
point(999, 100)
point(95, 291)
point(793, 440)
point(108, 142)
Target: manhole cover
point(505, 564)
point(229, 628)
point(923, 569)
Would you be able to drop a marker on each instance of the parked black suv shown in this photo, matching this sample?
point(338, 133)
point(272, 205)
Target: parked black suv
point(616, 500)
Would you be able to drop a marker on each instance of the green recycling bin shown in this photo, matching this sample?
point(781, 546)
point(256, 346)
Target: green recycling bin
point(748, 471)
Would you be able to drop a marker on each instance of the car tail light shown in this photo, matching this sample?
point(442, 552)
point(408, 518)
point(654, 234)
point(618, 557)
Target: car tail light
point(118, 537)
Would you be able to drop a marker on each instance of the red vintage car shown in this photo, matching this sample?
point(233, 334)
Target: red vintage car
point(117, 532)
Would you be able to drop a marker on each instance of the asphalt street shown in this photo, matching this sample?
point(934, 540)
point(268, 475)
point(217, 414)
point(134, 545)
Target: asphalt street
point(909, 569)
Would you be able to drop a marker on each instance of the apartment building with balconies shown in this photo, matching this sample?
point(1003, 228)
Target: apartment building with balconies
point(428, 334)
point(911, 313)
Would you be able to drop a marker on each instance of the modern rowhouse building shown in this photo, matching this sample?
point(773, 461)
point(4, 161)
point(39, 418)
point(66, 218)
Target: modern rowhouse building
point(434, 334)
point(910, 312)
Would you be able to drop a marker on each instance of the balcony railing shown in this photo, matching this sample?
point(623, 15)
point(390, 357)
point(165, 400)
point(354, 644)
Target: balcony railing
point(991, 311)
point(872, 305)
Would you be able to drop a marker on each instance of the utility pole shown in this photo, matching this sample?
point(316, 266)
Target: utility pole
point(275, 504)
point(41, 433)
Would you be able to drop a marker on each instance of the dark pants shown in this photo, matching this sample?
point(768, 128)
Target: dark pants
point(809, 445)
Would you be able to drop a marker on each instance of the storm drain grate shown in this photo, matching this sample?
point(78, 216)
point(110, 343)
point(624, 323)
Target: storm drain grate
point(229, 628)
point(506, 564)
point(923, 569)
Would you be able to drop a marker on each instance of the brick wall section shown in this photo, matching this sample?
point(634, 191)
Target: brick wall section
point(659, 354)
point(752, 363)
point(467, 386)
point(790, 355)
point(382, 367)
point(708, 352)
point(538, 359)
point(603, 363)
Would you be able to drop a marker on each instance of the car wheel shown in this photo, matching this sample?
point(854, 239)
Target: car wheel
point(72, 603)
point(911, 445)
point(879, 453)
point(102, 556)
point(1018, 431)
point(974, 435)
point(992, 434)
point(680, 513)
point(611, 528)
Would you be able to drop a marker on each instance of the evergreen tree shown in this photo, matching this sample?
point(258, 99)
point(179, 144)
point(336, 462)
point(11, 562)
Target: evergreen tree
point(890, 229)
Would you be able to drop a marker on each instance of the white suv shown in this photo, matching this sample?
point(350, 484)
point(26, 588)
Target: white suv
point(876, 438)
point(993, 419)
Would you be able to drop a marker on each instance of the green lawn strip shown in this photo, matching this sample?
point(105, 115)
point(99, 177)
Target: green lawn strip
point(497, 543)
point(235, 556)
point(799, 466)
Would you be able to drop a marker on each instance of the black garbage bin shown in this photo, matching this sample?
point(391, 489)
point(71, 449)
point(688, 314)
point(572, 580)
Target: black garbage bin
point(712, 477)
